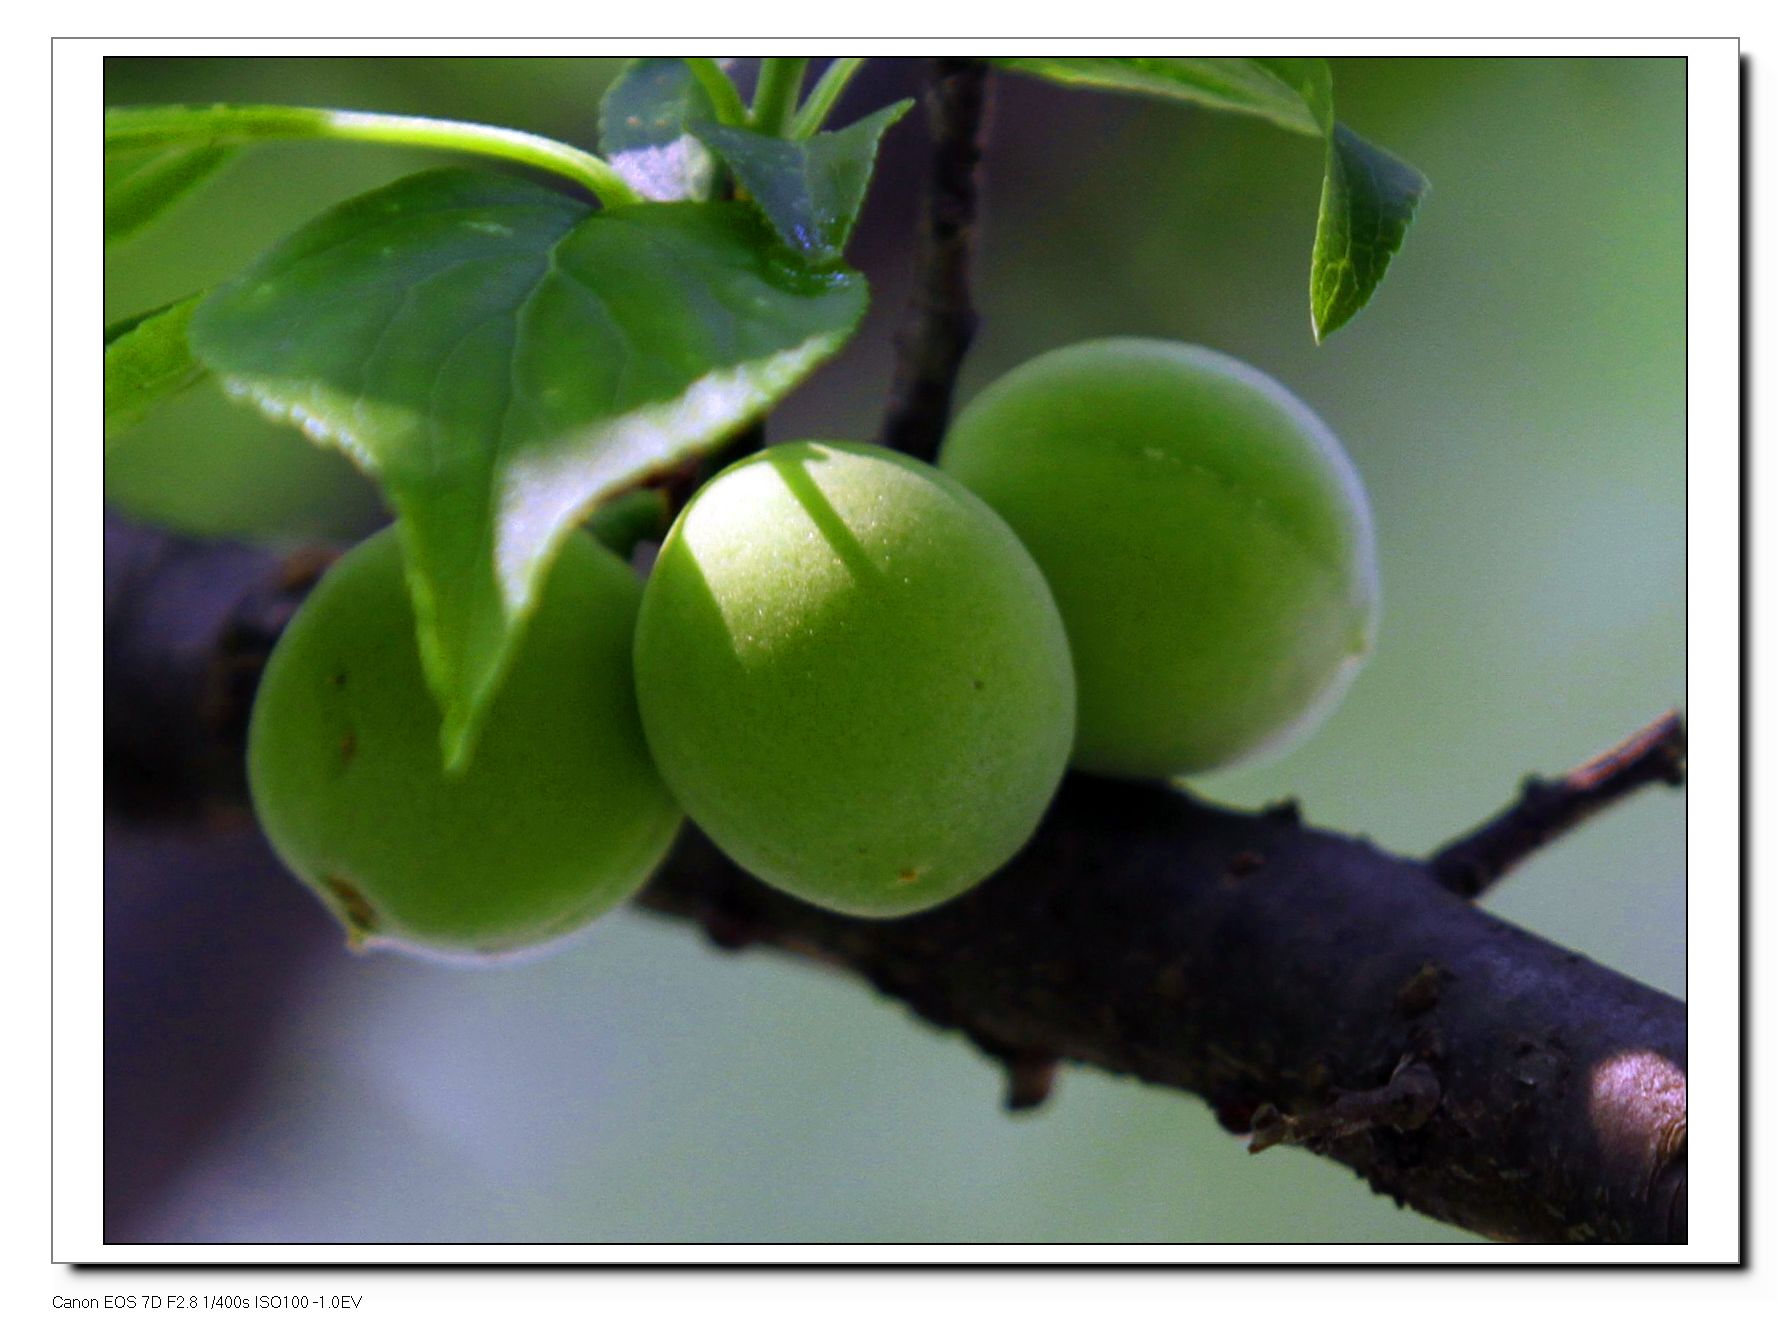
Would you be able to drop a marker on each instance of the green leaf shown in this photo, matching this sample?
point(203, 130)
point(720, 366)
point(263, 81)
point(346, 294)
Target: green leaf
point(500, 358)
point(142, 185)
point(1368, 197)
point(125, 325)
point(1367, 202)
point(809, 190)
point(147, 360)
point(645, 119)
point(1273, 89)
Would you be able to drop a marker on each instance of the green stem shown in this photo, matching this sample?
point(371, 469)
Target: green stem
point(824, 95)
point(724, 97)
point(160, 127)
point(774, 96)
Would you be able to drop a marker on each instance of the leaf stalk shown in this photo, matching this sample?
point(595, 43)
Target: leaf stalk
point(156, 127)
point(814, 112)
point(775, 95)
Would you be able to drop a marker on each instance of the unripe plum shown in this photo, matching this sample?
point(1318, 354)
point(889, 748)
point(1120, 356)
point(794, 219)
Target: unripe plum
point(559, 815)
point(853, 677)
point(1206, 538)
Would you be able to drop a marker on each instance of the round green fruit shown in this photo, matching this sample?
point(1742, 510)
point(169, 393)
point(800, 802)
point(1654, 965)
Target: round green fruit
point(559, 815)
point(1206, 538)
point(853, 677)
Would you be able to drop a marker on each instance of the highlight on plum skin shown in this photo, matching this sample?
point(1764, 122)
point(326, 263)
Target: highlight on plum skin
point(853, 677)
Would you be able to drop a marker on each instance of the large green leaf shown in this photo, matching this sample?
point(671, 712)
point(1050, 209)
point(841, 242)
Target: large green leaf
point(644, 130)
point(1368, 196)
point(500, 358)
point(810, 190)
point(147, 360)
point(143, 184)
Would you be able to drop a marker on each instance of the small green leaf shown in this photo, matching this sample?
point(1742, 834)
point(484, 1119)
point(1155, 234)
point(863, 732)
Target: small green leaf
point(500, 358)
point(1274, 89)
point(645, 124)
point(144, 184)
point(147, 360)
point(809, 190)
point(1368, 197)
point(1367, 202)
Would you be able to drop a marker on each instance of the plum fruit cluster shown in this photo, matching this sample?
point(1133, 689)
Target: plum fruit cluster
point(862, 676)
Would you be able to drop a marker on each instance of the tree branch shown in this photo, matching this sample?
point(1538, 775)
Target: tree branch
point(1463, 1066)
point(1311, 987)
point(1404, 1103)
point(940, 322)
point(1545, 810)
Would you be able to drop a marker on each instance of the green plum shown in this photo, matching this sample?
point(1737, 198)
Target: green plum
point(853, 677)
point(1206, 538)
point(559, 815)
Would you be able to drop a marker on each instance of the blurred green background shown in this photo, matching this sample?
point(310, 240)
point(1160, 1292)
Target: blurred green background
point(1515, 399)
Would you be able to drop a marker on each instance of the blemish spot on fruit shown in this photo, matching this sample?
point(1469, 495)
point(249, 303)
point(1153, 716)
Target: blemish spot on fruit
point(907, 875)
point(339, 680)
point(346, 747)
point(976, 684)
point(353, 908)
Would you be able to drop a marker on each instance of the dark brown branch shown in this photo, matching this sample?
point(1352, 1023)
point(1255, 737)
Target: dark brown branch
point(1546, 809)
point(1404, 1103)
point(1463, 1066)
point(188, 627)
point(940, 322)
point(1130, 935)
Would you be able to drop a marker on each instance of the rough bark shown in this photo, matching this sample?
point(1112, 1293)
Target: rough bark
point(1312, 988)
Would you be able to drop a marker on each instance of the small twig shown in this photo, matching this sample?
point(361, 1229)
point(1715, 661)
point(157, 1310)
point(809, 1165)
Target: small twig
point(940, 322)
point(1031, 1078)
point(1546, 809)
point(1404, 1103)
